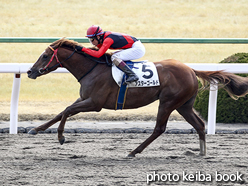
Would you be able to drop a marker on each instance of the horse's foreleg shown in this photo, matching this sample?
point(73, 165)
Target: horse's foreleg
point(159, 129)
point(45, 126)
point(82, 106)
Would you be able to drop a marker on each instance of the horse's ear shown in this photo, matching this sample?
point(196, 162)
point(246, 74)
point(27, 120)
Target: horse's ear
point(62, 40)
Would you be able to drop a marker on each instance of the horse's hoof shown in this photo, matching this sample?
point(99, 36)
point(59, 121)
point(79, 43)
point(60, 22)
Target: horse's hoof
point(62, 140)
point(130, 155)
point(33, 132)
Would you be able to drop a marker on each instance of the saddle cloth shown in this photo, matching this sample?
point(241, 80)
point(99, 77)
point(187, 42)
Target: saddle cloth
point(146, 71)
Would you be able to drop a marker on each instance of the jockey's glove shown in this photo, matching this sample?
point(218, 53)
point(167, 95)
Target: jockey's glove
point(78, 48)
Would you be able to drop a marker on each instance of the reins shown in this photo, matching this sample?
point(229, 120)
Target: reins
point(87, 72)
point(97, 62)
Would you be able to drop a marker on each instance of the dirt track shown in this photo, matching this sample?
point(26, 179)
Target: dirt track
point(100, 159)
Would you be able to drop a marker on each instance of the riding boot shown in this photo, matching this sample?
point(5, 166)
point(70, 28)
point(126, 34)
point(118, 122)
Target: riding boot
point(131, 76)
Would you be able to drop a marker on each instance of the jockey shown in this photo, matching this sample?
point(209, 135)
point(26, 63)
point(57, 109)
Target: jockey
point(131, 48)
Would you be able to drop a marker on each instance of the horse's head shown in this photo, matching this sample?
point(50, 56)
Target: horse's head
point(47, 62)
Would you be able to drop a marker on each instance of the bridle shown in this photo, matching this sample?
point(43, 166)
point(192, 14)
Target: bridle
point(55, 54)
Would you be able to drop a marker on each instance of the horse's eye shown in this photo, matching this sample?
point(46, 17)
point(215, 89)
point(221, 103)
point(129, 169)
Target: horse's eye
point(44, 56)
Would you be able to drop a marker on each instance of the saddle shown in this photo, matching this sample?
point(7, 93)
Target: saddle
point(148, 77)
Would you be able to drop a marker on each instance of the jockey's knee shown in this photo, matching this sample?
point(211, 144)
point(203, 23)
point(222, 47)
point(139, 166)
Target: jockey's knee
point(116, 60)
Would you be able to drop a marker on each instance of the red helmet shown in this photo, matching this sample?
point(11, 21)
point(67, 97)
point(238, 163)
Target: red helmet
point(94, 31)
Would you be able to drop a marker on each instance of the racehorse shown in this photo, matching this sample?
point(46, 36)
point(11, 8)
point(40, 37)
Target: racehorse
point(177, 91)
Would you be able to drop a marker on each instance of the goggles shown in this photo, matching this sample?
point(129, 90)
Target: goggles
point(91, 39)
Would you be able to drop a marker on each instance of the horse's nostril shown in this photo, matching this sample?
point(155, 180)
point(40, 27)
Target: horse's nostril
point(29, 72)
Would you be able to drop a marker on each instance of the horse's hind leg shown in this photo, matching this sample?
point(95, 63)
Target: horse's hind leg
point(187, 112)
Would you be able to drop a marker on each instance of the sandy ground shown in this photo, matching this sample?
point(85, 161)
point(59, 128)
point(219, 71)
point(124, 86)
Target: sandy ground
point(100, 159)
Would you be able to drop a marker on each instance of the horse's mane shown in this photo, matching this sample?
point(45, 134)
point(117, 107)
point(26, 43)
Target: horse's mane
point(63, 42)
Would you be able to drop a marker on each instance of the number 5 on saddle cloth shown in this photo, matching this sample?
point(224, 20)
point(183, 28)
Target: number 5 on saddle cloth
point(148, 77)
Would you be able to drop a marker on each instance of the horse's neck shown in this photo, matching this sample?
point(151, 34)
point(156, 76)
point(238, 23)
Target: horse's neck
point(78, 65)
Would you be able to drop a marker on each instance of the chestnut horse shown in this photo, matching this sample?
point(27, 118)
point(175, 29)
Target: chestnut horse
point(177, 91)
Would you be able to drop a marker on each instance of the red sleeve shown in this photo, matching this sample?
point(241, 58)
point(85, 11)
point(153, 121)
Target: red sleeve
point(103, 48)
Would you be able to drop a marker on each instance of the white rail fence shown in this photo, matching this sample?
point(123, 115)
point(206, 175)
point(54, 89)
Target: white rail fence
point(18, 68)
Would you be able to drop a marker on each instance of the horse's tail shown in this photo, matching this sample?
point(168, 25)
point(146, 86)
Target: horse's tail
point(235, 85)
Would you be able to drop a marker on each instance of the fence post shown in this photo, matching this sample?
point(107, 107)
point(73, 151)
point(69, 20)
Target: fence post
point(14, 104)
point(212, 107)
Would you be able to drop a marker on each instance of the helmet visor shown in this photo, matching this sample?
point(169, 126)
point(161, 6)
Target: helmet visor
point(93, 35)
